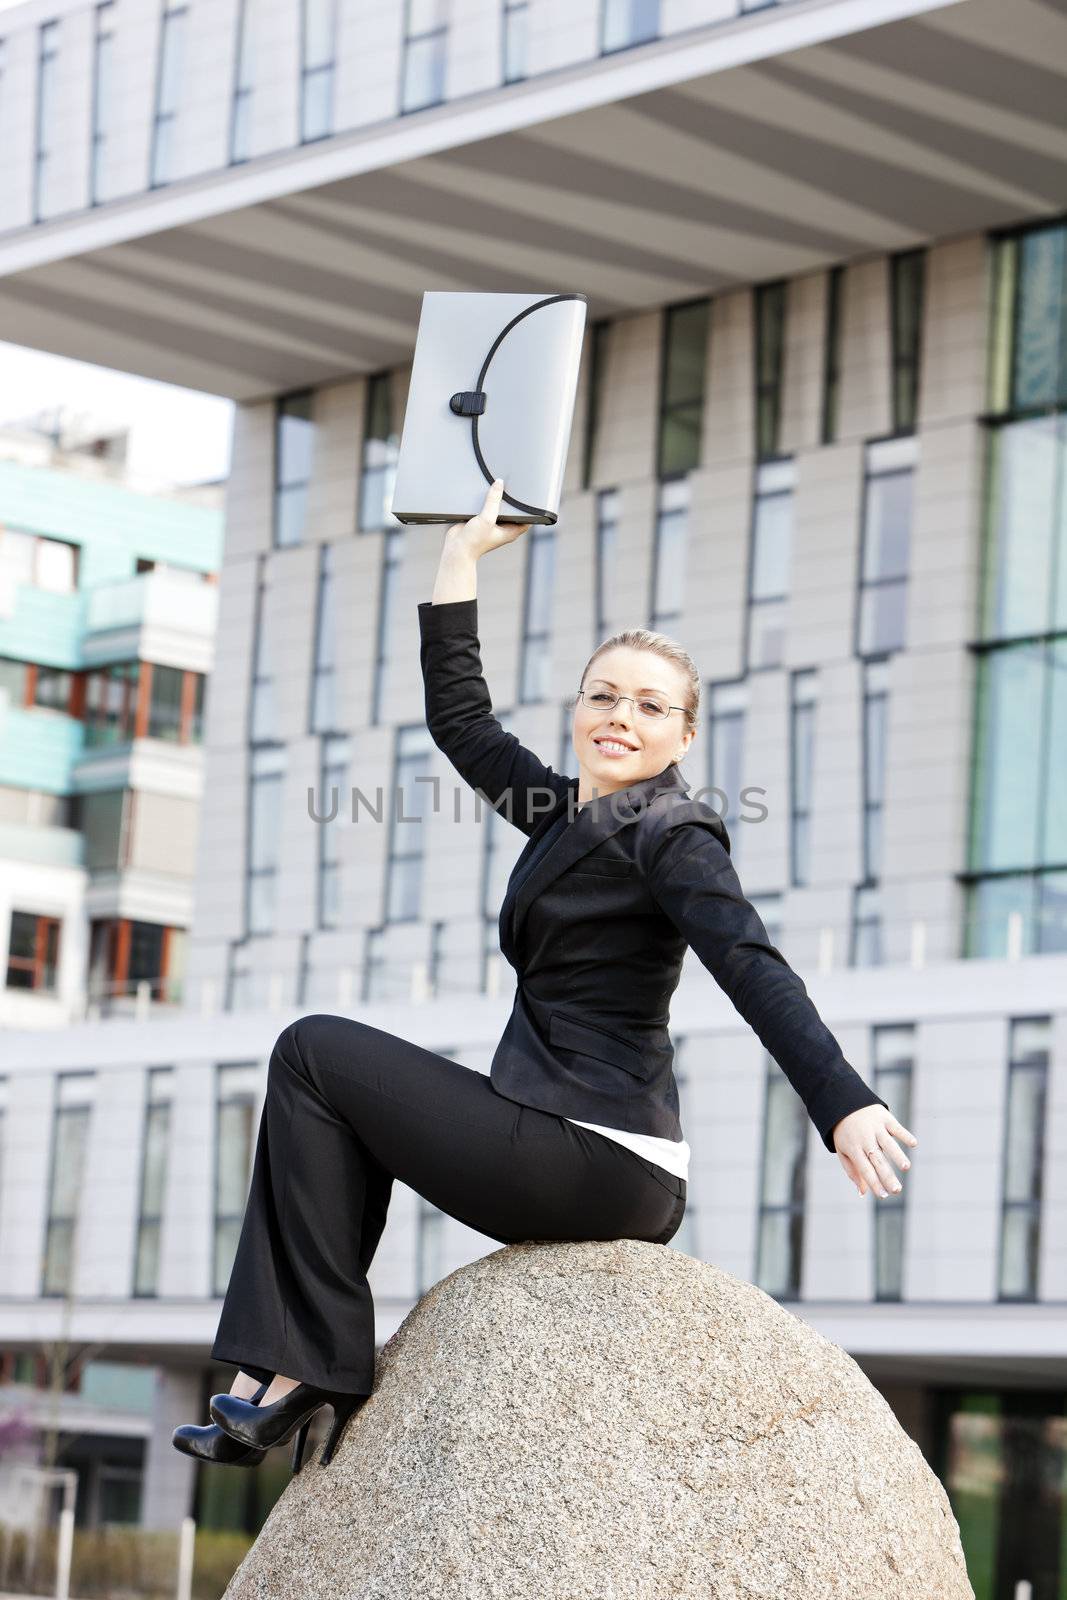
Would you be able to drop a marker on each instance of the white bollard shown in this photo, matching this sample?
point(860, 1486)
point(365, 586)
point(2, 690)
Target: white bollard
point(207, 997)
point(826, 949)
point(1015, 935)
point(1024, 1589)
point(345, 988)
point(186, 1547)
point(142, 999)
point(64, 1553)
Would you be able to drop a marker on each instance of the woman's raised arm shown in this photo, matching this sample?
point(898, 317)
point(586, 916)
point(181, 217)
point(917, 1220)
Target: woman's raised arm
point(459, 710)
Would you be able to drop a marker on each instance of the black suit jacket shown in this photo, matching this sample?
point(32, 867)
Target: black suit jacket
point(599, 910)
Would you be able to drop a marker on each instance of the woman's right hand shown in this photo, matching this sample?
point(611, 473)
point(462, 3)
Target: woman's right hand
point(483, 532)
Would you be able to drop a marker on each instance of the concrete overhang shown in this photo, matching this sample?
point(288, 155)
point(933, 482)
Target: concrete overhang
point(772, 145)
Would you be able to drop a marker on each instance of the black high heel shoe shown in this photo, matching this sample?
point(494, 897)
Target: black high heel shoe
point(264, 1426)
point(212, 1443)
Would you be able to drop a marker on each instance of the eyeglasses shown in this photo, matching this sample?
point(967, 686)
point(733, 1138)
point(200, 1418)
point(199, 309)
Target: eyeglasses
point(653, 706)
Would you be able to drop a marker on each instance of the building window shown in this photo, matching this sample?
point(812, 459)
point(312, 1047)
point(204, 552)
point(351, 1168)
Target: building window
point(866, 921)
point(35, 559)
point(175, 703)
point(669, 553)
point(1028, 366)
point(317, 68)
point(393, 547)
point(425, 39)
point(728, 703)
point(156, 1141)
point(606, 558)
point(111, 702)
point(780, 1239)
point(536, 658)
point(104, 817)
point(769, 316)
point(172, 44)
point(627, 22)
point(893, 1055)
point(1024, 1158)
point(294, 443)
point(4, 1083)
point(429, 1249)
point(598, 339)
point(1016, 881)
point(888, 496)
point(516, 39)
point(803, 701)
point(682, 377)
point(262, 712)
point(44, 203)
point(104, 97)
point(831, 382)
point(907, 270)
point(409, 801)
point(266, 780)
point(770, 562)
point(334, 802)
point(323, 709)
point(72, 1108)
point(244, 80)
point(124, 954)
point(33, 952)
point(381, 447)
point(237, 1088)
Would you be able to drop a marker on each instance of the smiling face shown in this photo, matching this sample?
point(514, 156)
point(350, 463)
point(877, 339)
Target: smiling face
point(652, 743)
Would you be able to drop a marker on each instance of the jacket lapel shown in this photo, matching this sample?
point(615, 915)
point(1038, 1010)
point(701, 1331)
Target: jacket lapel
point(591, 825)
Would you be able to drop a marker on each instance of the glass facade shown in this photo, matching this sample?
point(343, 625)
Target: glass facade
point(628, 22)
point(381, 448)
point(103, 105)
point(1017, 859)
point(409, 802)
point(769, 320)
point(803, 703)
point(669, 554)
point(893, 1061)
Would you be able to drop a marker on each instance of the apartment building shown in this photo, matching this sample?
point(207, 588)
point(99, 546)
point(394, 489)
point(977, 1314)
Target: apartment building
point(819, 438)
point(108, 603)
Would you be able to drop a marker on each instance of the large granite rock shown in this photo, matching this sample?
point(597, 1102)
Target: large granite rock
point(613, 1420)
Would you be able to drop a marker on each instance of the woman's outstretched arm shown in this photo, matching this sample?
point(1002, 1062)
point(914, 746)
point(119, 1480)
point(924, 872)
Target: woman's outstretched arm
point(693, 881)
point(459, 710)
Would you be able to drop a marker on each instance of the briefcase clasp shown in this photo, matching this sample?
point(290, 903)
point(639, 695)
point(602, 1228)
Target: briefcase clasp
point(468, 402)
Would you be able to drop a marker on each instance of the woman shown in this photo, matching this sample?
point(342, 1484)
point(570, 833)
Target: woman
point(574, 1134)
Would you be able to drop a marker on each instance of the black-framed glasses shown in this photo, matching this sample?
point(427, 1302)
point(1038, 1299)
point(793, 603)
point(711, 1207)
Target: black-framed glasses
point(650, 705)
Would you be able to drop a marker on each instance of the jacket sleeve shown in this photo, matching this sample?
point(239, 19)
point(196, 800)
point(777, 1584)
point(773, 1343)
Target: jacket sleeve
point(693, 881)
point(459, 715)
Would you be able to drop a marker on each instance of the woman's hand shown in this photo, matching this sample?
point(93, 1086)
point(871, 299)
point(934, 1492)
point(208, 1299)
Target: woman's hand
point(482, 532)
point(864, 1141)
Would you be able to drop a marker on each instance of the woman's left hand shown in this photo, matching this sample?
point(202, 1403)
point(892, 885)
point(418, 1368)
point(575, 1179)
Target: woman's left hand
point(865, 1140)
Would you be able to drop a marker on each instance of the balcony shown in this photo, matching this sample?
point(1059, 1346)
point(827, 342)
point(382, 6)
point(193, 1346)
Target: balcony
point(162, 615)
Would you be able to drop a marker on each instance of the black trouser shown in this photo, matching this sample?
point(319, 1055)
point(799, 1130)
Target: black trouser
point(348, 1109)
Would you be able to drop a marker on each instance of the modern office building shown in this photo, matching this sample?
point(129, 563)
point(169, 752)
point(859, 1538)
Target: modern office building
point(820, 438)
point(108, 602)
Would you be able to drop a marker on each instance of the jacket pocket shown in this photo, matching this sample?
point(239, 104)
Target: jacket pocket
point(603, 867)
point(591, 1040)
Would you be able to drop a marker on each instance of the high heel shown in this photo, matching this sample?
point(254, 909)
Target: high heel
point(298, 1446)
point(264, 1426)
point(212, 1443)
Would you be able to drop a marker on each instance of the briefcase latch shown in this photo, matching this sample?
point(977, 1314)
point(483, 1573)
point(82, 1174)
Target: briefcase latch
point(468, 403)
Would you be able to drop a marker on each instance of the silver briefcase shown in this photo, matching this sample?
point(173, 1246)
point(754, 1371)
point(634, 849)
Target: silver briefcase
point(493, 381)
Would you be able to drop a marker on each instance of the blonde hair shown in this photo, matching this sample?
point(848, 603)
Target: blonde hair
point(669, 650)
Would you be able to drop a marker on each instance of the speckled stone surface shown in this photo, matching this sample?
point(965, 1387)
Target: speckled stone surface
point(615, 1421)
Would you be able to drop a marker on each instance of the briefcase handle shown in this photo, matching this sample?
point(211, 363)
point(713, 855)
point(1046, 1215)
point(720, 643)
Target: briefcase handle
point(471, 402)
